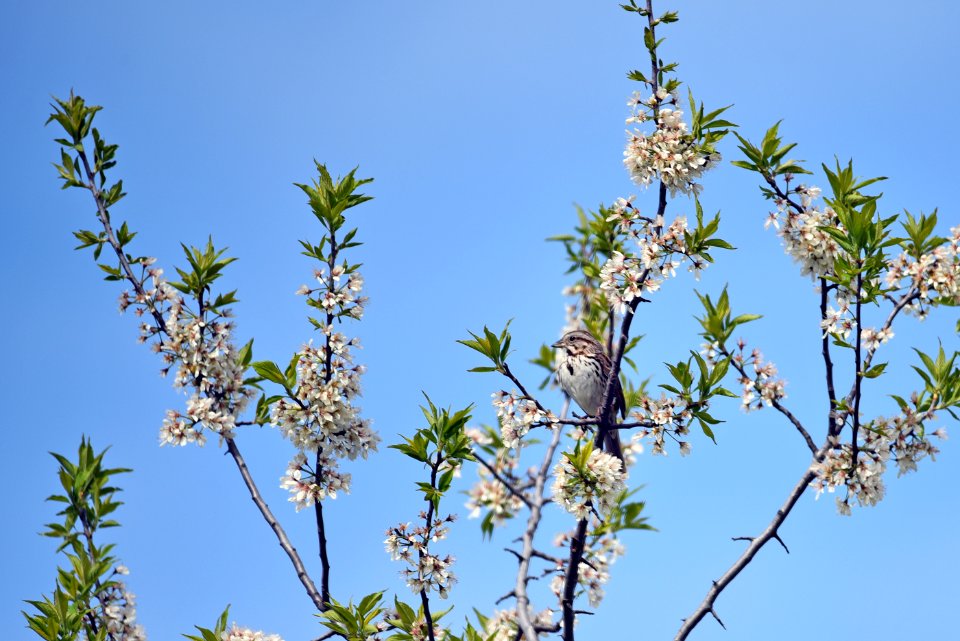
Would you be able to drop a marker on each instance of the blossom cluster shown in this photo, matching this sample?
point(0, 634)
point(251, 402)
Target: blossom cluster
point(803, 236)
point(670, 153)
point(333, 297)
point(206, 358)
point(764, 387)
point(236, 633)
point(839, 321)
point(426, 571)
point(321, 419)
point(935, 275)
point(669, 415)
point(120, 611)
point(502, 626)
point(623, 277)
point(490, 494)
point(517, 414)
point(901, 438)
point(599, 485)
point(599, 553)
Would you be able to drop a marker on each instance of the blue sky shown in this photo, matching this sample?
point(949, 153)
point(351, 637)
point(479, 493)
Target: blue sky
point(483, 124)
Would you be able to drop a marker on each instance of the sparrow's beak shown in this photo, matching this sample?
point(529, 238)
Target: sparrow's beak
point(555, 345)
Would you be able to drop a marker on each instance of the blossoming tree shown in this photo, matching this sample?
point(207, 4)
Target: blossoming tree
point(868, 269)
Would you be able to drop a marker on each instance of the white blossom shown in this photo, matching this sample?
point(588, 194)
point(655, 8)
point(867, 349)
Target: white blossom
point(599, 485)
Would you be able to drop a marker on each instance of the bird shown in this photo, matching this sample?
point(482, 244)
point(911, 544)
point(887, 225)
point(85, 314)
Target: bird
point(582, 368)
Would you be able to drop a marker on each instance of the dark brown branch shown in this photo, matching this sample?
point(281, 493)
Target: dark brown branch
point(523, 390)
point(275, 526)
point(706, 607)
point(910, 296)
point(858, 370)
point(571, 577)
point(318, 467)
point(714, 613)
point(827, 360)
point(278, 530)
point(507, 484)
point(780, 541)
point(428, 519)
point(547, 557)
point(737, 365)
point(508, 595)
point(609, 398)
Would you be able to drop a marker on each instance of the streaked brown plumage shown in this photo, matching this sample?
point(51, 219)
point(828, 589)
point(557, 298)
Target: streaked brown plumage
point(582, 371)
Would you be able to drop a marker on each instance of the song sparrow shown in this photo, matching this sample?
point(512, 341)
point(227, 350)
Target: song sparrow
point(582, 371)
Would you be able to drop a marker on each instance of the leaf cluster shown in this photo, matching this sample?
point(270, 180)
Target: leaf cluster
point(206, 266)
point(442, 441)
point(88, 499)
point(769, 158)
point(708, 129)
point(406, 618)
point(652, 44)
point(718, 321)
point(625, 515)
point(353, 622)
point(216, 634)
point(941, 378)
point(330, 198)
point(495, 347)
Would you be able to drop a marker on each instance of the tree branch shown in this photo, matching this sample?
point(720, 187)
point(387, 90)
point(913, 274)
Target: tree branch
point(275, 526)
point(278, 530)
point(827, 361)
point(737, 365)
point(771, 532)
point(524, 623)
point(507, 484)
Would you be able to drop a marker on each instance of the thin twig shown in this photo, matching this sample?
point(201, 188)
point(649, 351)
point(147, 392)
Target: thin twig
point(428, 519)
point(275, 525)
point(524, 624)
point(318, 467)
point(278, 530)
point(827, 360)
point(508, 595)
point(706, 607)
point(858, 370)
point(737, 365)
point(504, 482)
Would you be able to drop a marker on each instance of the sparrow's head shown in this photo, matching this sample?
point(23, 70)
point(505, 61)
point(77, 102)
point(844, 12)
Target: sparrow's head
point(578, 341)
